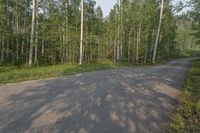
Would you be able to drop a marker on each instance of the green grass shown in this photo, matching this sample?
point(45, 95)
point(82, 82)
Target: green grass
point(187, 114)
point(190, 53)
point(12, 74)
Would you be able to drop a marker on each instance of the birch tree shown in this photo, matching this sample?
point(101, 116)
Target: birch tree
point(81, 37)
point(66, 33)
point(36, 34)
point(158, 33)
point(32, 32)
point(118, 29)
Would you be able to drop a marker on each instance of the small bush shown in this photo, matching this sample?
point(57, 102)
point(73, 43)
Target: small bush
point(178, 126)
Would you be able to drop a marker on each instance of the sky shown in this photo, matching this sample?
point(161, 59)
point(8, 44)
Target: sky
point(106, 5)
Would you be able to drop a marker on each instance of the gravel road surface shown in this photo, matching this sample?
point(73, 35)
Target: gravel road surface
point(126, 100)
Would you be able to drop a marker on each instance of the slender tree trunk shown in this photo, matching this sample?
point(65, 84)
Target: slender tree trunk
point(17, 31)
point(8, 48)
point(146, 50)
point(22, 47)
point(2, 48)
point(121, 51)
point(36, 36)
point(152, 42)
point(8, 36)
point(90, 55)
point(27, 49)
point(64, 49)
point(32, 33)
point(85, 47)
point(137, 48)
point(13, 55)
point(121, 30)
point(138, 41)
point(81, 38)
point(118, 50)
point(129, 45)
point(61, 47)
point(43, 26)
point(115, 48)
point(118, 30)
point(24, 30)
point(158, 33)
point(134, 46)
point(66, 31)
point(99, 56)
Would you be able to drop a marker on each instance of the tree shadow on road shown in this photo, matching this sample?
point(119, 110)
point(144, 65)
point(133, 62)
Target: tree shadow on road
point(113, 101)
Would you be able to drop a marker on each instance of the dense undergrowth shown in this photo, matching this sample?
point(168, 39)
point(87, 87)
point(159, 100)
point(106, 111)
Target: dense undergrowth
point(189, 53)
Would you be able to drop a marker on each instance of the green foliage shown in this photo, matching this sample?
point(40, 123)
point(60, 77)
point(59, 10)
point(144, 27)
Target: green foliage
point(7, 68)
point(58, 31)
point(195, 15)
point(187, 118)
point(178, 126)
point(190, 53)
point(184, 38)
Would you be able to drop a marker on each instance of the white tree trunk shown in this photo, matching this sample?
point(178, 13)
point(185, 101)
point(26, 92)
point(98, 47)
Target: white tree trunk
point(81, 38)
point(66, 31)
point(17, 31)
point(118, 30)
point(43, 26)
point(158, 33)
point(32, 33)
point(138, 41)
point(115, 47)
point(36, 36)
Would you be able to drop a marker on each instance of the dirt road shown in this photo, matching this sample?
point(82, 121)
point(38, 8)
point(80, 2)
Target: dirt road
point(112, 101)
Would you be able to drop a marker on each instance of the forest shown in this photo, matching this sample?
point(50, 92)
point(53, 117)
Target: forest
point(49, 32)
point(55, 56)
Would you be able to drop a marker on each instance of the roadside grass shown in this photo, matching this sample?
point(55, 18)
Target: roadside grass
point(187, 114)
point(190, 53)
point(11, 74)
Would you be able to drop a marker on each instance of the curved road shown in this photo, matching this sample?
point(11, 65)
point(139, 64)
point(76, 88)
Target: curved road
point(126, 100)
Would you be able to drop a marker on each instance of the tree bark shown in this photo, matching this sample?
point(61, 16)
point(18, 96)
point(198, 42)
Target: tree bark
point(138, 41)
point(43, 26)
point(129, 44)
point(32, 33)
point(66, 32)
point(36, 36)
point(118, 30)
point(2, 48)
point(115, 47)
point(8, 48)
point(146, 50)
point(17, 31)
point(81, 37)
point(158, 33)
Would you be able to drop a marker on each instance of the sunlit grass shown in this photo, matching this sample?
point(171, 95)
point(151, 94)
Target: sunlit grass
point(12, 74)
